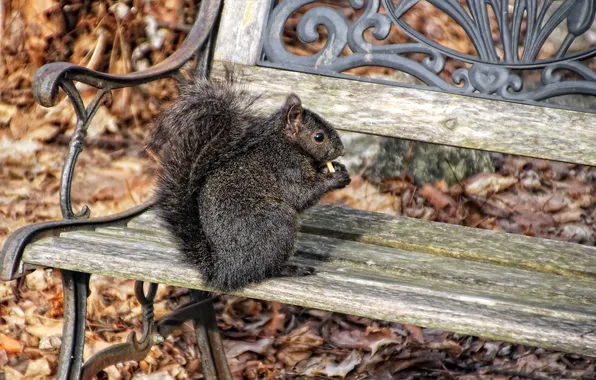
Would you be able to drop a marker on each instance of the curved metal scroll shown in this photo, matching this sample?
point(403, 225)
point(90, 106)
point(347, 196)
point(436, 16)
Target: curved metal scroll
point(49, 78)
point(134, 349)
point(490, 74)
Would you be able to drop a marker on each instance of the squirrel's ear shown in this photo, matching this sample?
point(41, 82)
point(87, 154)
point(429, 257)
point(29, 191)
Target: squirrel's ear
point(293, 115)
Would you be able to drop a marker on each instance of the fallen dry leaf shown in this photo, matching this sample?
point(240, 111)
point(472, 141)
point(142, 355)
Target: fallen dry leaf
point(12, 374)
point(46, 328)
point(361, 340)
point(42, 133)
point(436, 197)
point(159, 375)
point(298, 345)
point(234, 348)
point(7, 111)
point(342, 369)
point(415, 332)
point(277, 321)
point(38, 369)
point(568, 216)
point(10, 345)
point(483, 184)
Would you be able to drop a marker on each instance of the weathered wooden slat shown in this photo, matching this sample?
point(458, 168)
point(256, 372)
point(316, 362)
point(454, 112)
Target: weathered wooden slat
point(518, 251)
point(431, 116)
point(543, 294)
point(239, 33)
point(440, 239)
point(386, 261)
point(343, 287)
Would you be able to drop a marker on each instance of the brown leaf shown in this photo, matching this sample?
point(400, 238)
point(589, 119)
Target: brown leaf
point(395, 185)
point(10, 345)
point(415, 332)
point(483, 184)
point(47, 327)
point(237, 348)
point(7, 111)
point(38, 369)
point(277, 321)
point(568, 216)
point(496, 205)
point(12, 374)
point(17, 152)
point(298, 345)
point(427, 360)
point(342, 369)
point(56, 304)
point(555, 203)
point(159, 375)
point(531, 181)
point(37, 280)
point(362, 195)
point(361, 340)
point(438, 199)
point(534, 219)
point(43, 133)
point(577, 233)
point(449, 345)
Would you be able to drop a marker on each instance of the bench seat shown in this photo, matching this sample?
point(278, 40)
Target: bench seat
point(471, 281)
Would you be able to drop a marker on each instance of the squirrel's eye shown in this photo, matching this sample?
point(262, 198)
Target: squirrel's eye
point(319, 137)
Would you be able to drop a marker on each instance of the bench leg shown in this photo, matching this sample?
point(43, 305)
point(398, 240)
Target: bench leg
point(76, 290)
point(200, 311)
point(213, 357)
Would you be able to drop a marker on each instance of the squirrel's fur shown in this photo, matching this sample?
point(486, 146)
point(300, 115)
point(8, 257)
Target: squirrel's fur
point(232, 182)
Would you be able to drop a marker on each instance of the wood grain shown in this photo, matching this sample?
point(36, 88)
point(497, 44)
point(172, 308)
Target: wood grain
point(440, 239)
point(239, 33)
point(344, 289)
point(374, 279)
point(514, 285)
point(431, 116)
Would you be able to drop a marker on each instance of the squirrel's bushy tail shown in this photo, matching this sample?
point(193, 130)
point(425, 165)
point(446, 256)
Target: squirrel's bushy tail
point(208, 125)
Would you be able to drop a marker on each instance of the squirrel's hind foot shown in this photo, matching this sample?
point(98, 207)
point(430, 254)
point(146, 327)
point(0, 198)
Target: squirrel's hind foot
point(295, 270)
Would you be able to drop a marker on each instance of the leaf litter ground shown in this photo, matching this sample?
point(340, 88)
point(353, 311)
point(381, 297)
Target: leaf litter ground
point(263, 340)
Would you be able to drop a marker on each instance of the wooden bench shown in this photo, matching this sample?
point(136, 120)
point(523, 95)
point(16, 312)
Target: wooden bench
point(501, 286)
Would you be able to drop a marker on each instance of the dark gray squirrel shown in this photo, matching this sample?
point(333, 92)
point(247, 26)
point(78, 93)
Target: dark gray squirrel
point(232, 182)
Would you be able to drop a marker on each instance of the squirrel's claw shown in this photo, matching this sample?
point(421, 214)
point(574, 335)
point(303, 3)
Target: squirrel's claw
point(294, 270)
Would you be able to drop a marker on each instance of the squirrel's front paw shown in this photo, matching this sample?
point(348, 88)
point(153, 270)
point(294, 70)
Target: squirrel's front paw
point(339, 179)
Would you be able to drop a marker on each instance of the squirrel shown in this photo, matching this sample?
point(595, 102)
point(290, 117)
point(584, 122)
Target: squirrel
point(232, 182)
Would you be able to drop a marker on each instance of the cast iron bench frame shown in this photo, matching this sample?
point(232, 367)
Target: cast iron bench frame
point(249, 34)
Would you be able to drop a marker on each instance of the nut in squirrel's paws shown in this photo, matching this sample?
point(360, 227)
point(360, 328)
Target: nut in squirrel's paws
point(330, 167)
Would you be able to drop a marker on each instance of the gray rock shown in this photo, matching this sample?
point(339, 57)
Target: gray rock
point(360, 149)
point(380, 157)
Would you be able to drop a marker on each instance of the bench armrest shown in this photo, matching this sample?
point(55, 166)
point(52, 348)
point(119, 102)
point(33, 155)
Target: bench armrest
point(46, 83)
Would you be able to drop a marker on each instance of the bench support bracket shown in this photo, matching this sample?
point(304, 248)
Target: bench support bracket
point(200, 310)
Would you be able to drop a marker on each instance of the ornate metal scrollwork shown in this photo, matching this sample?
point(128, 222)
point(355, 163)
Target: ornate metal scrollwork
point(46, 84)
point(133, 348)
point(523, 27)
point(51, 77)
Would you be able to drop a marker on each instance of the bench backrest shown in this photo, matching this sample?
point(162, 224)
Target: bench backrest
point(488, 111)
